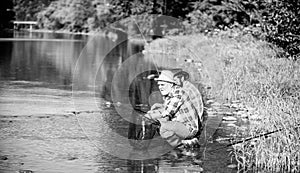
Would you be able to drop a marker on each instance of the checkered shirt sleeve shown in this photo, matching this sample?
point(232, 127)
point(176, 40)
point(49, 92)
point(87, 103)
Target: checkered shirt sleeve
point(195, 97)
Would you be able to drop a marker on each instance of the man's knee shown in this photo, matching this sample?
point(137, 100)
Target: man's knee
point(170, 137)
point(165, 133)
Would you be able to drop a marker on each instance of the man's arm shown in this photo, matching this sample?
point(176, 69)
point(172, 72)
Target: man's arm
point(173, 104)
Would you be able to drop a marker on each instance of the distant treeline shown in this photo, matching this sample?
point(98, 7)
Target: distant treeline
point(6, 14)
point(277, 21)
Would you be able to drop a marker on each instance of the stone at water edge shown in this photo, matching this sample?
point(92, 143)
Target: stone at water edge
point(231, 125)
point(228, 113)
point(227, 104)
point(198, 161)
point(210, 101)
point(3, 158)
point(189, 153)
point(108, 104)
point(25, 171)
point(189, 60)
point(234, 105)
point(119, 169)
point(216, 104)
point(232, 166)
point(118, 104)
point(212, 113)
point(254, 117)
point(244, 115)
point(229, 118)
point(193, 169)
point(72, 158)
point(223, 140)
point(235, 101)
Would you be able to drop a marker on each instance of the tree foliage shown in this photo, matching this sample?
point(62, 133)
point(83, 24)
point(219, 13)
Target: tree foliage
point(281, 22)
point(66, 14)
point(275, 20)
point(26, 10)
point(6, 15)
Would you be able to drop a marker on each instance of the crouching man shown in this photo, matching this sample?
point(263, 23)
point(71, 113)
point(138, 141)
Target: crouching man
point(178, 116)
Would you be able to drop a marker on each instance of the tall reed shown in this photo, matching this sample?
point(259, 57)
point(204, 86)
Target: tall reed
point(252, 71)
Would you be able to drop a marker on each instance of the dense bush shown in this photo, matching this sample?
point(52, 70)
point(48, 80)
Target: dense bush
point(27, 10)
point(72, 15)
point(277, 21)
point(281, 22)
point(246, 69)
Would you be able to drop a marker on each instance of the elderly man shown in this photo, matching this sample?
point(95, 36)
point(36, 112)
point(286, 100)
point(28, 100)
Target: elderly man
point(178, 116)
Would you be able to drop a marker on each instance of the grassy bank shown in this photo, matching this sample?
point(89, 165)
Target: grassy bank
point(235, 67)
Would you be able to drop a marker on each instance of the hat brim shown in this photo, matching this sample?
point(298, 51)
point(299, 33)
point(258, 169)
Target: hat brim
point(186, 75)
point(163, 80)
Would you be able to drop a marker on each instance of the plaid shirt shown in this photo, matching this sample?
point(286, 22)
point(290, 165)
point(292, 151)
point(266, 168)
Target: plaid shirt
point(179, 107)
point(195, 97)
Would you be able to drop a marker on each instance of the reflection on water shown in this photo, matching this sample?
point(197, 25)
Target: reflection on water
point(38, 130)
point(51, 62)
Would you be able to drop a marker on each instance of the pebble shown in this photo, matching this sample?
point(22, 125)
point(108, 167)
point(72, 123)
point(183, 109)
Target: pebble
point(216, 104)
point(228, 113)
point(189, 153)
point(254, 117)
point(198, 64)
point(244, 119)
point(232, 166)
point(229, 122)
point(221, 140)
point(198, 161)
point(231, 125)
point(108, 104)
point(144, 52)
point(194, 169)
point(3, 158)
point(234, 105)
point(25, 171)
point(227, 104)
point(236, 101)
point(237, 146)
point(229, 118)
point(119, 169)
point(189, 60)
point(244, 115)
point(212, 113)
point(72, 158)
point(118, 104)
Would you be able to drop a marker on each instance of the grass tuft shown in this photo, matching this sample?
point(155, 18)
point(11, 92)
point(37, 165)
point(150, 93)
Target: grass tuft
point(251, 71)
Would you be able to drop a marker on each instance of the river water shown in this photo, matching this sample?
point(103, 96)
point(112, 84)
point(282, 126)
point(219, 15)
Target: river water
point(65, 106)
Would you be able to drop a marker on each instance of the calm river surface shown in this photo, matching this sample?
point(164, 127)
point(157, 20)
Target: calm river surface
point(45, 77)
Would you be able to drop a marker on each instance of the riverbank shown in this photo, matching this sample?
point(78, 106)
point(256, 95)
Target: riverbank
point(250, 71)
point(113, 35)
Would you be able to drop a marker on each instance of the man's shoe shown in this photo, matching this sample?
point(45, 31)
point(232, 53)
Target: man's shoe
point(191, 143)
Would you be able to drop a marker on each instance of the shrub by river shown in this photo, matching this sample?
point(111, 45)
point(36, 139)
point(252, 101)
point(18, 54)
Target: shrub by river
point(255, 73)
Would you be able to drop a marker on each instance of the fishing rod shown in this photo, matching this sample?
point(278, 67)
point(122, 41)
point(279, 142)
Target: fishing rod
point(144, 38)
point(253, 137)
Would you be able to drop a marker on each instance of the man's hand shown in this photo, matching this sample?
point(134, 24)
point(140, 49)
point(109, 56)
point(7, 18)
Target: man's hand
point(153, 114)
point(156, 106)
point(148, 116)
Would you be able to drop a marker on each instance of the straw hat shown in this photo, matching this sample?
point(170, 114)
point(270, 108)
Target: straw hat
point(166, 76)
